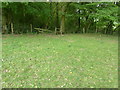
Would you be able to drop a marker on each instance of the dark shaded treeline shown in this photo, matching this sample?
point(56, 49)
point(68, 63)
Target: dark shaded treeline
point(68, 17)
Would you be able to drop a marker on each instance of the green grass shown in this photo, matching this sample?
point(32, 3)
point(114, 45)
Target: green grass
point(53, 61)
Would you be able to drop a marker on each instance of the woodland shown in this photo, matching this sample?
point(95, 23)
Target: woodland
point(60, 44)
point(60, 17)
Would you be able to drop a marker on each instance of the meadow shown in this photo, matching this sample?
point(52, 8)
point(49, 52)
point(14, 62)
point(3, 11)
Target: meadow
point(55, 61)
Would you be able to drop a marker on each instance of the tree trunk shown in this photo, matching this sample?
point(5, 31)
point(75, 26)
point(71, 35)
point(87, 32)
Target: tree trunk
point(87, 24)
point(109, 28)
point(4, 30)
point(96, 30)
point(57, 18)
point(31, 27)
point(87, 28)
point(83, 30)
point(62, 26)
point(79, 21)
point(50, 18)
point(12, 28)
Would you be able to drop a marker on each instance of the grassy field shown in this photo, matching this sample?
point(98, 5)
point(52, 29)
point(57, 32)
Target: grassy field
point(54, 61)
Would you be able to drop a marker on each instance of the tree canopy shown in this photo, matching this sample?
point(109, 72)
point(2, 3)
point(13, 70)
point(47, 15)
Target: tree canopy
point(69, 17)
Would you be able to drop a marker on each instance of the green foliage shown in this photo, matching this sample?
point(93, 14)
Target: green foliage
point(46, 15)
point(109, 13)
